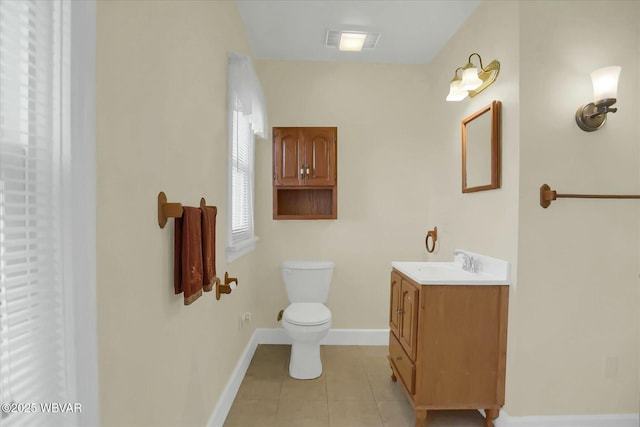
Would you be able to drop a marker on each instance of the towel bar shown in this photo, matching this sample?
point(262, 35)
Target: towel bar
point(547, 195)
point(171, 210)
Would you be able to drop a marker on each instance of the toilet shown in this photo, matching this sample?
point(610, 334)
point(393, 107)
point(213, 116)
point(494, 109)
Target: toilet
point(306, 320)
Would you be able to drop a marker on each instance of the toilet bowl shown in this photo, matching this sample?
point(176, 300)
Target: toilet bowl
point(306, 320)
point(306, 324)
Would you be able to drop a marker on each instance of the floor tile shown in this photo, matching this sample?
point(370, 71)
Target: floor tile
point(270, 359)
point(396, 413)
point(261, 385)
point(384, 389)
point(302, 413)
point(293, 389)
point(272, 352)
point(252, 413)
point(461, 418)
point(354, 414)
point(342, 359)
point(348, 386)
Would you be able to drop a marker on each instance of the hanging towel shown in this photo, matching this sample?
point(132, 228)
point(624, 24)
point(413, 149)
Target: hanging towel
point(208, 246)
point(187, 273)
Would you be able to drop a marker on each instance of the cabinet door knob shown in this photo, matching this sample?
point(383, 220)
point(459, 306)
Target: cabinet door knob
point(307, 172)
point(302, 171)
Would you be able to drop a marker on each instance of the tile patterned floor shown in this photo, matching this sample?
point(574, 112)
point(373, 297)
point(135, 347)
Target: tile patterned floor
point(354, 390)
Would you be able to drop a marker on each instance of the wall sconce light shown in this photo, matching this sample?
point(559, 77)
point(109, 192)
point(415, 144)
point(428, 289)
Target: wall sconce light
point(472, 81)
point(456, 93)
point(593, 115)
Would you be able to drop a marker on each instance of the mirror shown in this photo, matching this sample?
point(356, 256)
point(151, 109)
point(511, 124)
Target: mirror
point(481, 149)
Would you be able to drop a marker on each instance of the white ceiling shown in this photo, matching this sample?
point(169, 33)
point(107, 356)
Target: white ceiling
point(412, 31)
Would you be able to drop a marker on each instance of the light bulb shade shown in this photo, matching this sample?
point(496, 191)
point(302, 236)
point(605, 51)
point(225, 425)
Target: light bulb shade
point(470, 79)
point(352, 42)
point(456, 93)
point(605, 83)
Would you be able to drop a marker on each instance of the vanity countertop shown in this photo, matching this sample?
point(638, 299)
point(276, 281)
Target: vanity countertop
point(489, 271)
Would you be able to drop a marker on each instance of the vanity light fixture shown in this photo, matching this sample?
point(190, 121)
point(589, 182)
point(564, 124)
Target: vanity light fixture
point(592, 116)
point(456, 93)
point(474, 80)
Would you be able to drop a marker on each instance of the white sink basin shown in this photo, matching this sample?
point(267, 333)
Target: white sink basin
point(490, 271)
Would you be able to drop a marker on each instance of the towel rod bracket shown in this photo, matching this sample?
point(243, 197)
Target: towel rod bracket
point(547, 195)
point(167, 210)
point(162, 200)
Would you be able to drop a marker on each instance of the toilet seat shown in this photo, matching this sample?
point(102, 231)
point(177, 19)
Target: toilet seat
point(307, 314)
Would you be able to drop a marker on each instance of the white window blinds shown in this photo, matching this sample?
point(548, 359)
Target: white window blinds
point(241, 178)
point(247, 116)
point(34, 39)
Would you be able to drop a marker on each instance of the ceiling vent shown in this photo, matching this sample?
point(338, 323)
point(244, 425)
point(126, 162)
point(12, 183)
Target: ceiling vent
point(370, 42)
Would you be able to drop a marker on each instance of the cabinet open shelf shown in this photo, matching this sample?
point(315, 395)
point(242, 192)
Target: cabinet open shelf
point(304, 203)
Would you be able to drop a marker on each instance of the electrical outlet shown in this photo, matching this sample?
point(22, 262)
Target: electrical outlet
point(245, 318)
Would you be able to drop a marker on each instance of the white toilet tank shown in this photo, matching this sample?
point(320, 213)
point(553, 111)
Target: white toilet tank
point(307, 281)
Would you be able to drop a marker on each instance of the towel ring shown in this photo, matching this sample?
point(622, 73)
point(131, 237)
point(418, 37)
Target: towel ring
point(434, 238)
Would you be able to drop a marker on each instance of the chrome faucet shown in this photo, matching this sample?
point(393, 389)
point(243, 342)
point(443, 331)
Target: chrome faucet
point(468, 263)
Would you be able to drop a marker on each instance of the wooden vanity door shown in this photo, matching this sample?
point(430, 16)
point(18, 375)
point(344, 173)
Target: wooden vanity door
point(394, 312)
point(408, 333)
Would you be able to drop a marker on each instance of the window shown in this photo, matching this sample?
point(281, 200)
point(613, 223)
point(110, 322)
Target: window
point(37, 361)
point(247, 118)
point(241, 178)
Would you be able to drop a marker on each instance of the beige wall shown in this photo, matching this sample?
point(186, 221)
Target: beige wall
point(578, 259)
point(161, 126)
point(382, 146)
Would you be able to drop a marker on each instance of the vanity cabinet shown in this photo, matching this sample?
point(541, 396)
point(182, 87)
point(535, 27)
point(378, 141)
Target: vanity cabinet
point(305, 173)
point(447, 345)
point(404, 312)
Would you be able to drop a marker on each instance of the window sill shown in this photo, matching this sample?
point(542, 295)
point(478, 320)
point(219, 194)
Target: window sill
point(241, 248)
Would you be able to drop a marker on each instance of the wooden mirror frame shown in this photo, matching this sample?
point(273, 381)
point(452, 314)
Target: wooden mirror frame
point(494, 110)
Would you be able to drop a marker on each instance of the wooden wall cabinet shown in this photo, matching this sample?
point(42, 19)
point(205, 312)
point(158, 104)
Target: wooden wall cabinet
point(305, 173)
point(448, 345)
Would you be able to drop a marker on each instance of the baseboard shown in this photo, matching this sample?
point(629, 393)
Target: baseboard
point(223, 406)
point(334, 337)
point(278, 336)
point(605, 420)
point(357, 337)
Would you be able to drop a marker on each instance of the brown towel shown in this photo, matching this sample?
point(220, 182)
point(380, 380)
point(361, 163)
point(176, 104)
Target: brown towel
point(209, 246)
point(187, 274)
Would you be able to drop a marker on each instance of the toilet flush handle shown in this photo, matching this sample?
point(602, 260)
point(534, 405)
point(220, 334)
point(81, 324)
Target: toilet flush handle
point(287, 271)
